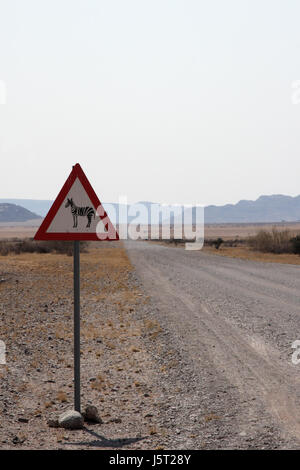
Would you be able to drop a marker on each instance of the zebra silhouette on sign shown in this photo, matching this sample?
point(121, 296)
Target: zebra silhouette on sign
point(80, 211)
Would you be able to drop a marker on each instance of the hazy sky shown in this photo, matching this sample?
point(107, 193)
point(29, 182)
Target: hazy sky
point(178, 101)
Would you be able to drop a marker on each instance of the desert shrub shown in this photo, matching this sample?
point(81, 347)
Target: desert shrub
point(218, 242)
point(233, 243)
point(296, 244)
point(274, 241)
point(208, 242)
point(29, 245)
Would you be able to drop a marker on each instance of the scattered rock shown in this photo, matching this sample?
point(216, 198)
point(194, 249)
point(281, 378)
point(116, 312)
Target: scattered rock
point(91, 414)
point(21, 419)
point(71, 420)
point(116, 420)
point(53, 423)
point(18, 440)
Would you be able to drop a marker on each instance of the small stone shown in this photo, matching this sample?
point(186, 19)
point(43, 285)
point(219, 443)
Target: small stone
point(18, 440)
point(53, 423)
point(116, 420)
point(91, 414)
point(23, 420)
point(71, 420)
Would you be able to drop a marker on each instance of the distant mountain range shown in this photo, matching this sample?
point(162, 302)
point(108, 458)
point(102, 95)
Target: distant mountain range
point(37, 206)
point(14, 213)
point(275, 208)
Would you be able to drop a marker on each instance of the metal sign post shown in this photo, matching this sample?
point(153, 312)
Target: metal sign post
point(76, 256)
point(76, 215)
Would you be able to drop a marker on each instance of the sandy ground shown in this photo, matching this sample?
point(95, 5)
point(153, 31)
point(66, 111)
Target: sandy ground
point(232, 231)
point(119, 376)
point(31, 224)
point(232, 323)
point(17, 232)
point(226, 231)
point(246, 253)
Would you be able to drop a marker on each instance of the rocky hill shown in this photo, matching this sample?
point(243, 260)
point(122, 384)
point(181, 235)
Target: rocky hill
point(275, 208)
point(14, 213)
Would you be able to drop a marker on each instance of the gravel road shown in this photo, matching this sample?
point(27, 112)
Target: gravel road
point(230, 323)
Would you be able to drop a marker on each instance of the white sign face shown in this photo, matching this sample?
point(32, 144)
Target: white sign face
point(77, 213)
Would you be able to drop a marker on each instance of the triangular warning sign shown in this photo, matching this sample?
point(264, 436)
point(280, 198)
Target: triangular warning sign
point(77, 213)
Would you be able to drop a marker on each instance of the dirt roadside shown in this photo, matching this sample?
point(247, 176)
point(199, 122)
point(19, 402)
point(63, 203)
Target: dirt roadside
point(118, 374)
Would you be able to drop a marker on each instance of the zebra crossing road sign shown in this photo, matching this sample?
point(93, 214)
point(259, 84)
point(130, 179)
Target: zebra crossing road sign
point(77, 213)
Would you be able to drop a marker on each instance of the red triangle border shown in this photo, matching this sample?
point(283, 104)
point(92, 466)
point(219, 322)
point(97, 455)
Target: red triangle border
point(42, 234)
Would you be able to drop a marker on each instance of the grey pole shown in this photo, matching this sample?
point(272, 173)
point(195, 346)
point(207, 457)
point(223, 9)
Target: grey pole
point(76, 325)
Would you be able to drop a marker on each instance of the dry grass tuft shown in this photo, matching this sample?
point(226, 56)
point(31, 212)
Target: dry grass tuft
point(152, 430)
point(210, 417)
point(61, 397)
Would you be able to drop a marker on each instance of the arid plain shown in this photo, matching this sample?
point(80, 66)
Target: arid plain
point(172, 346)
